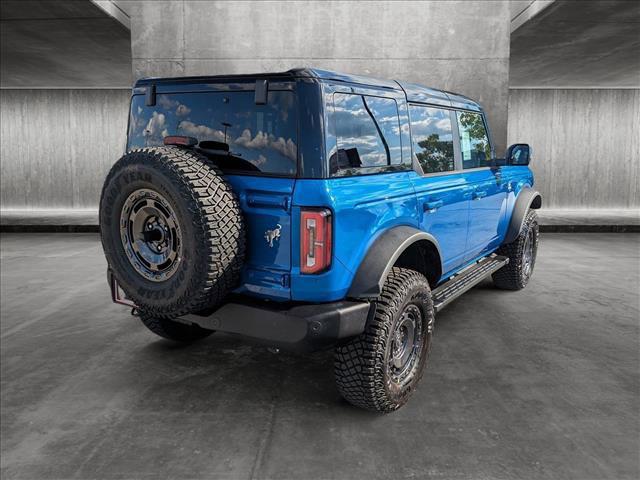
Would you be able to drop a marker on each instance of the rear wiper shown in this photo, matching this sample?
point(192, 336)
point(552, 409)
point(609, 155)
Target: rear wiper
point(225, 159)
point(217, 148)
point(213, 145)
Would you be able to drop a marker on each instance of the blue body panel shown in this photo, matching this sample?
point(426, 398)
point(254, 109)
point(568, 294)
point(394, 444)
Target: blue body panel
point(448, 223)
point(266, 204)
point(365, 207)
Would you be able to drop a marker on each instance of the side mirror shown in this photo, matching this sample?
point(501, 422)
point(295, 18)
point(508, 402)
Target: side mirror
point(518, 154)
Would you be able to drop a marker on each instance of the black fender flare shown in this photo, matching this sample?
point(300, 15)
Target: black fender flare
point(526, 199)
point(381, 257)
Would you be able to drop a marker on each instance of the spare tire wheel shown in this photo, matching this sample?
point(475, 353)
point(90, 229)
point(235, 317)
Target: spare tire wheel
point(172, 231)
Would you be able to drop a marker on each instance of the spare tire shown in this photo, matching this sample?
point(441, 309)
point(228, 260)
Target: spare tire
point(172, 231)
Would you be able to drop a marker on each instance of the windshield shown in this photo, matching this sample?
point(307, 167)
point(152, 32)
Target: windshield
point(232, 130)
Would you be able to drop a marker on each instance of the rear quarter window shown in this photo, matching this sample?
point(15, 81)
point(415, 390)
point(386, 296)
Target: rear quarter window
point(367, 133)
point(234, 132)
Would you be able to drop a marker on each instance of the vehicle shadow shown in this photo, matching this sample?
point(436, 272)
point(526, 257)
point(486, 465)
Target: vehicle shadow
point(225, 372)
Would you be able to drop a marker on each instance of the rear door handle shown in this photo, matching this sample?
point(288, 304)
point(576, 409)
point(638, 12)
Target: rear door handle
point(257, 199)
point(432, 206)
point(477, 195)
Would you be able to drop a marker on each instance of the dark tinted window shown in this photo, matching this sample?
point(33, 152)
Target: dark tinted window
point(432, 138)
point(367, 132)
point(474, 142)
point(239, 135)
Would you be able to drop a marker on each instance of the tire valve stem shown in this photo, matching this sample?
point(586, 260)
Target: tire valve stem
point(135, 312)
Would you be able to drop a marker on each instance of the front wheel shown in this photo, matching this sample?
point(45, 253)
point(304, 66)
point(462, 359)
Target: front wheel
point(379, 369)
point(522, 254)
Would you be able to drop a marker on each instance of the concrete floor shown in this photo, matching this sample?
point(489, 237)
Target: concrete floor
point(542, 383)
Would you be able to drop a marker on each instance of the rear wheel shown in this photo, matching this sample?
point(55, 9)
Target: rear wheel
point(522, 254)
point(172, 231)
point(379, 369)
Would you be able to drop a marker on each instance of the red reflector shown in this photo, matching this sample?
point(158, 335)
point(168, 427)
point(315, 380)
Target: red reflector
point(180, 140)
point(315, 240)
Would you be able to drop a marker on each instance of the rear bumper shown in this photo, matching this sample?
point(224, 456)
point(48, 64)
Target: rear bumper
point(300, 328)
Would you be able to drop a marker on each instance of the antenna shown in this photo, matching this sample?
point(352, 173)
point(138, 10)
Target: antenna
point(225, 124)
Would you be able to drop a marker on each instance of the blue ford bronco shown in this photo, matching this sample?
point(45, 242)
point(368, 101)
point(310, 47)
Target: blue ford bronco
point(310, 210)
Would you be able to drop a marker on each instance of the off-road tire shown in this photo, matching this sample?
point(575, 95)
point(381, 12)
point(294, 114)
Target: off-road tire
point(211, 223)
point(361, 364)
point(172, 330)
point(512, 276)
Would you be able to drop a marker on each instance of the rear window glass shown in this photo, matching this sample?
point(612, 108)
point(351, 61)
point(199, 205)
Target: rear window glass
point(367, 131)
point(232, 130)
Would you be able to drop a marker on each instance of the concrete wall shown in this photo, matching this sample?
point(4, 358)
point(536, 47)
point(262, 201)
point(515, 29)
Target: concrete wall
point(586, 145)
point(58, 145)
point(461, 46)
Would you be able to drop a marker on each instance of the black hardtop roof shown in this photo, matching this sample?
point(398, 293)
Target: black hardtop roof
point(414, 92)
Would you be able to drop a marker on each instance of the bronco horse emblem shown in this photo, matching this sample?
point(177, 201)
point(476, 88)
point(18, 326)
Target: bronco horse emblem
point(271, 235)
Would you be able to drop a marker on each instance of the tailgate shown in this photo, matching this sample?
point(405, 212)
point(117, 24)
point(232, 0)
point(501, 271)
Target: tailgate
point(266, 205)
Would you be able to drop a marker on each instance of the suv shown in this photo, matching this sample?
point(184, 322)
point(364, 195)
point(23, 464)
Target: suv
point(312, 209)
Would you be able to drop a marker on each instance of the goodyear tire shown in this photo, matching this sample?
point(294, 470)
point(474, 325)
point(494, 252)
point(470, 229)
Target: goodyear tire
point(379, 369)
point(172, 231)
point(522, 254)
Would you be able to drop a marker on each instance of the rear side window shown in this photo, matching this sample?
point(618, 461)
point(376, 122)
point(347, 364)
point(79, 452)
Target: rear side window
point(432, 138)
point(474, 141)
point(233, 131)
point(367, 132)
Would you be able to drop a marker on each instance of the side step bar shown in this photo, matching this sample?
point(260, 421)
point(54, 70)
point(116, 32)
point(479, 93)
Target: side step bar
point(466, 279)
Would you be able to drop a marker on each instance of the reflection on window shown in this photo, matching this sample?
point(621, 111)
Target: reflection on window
point(367, 132)
point(474, 142)
point(232, 130)
point(432, 138)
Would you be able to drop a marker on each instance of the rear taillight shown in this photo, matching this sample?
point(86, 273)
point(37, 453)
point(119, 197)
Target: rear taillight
point(315, 240)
